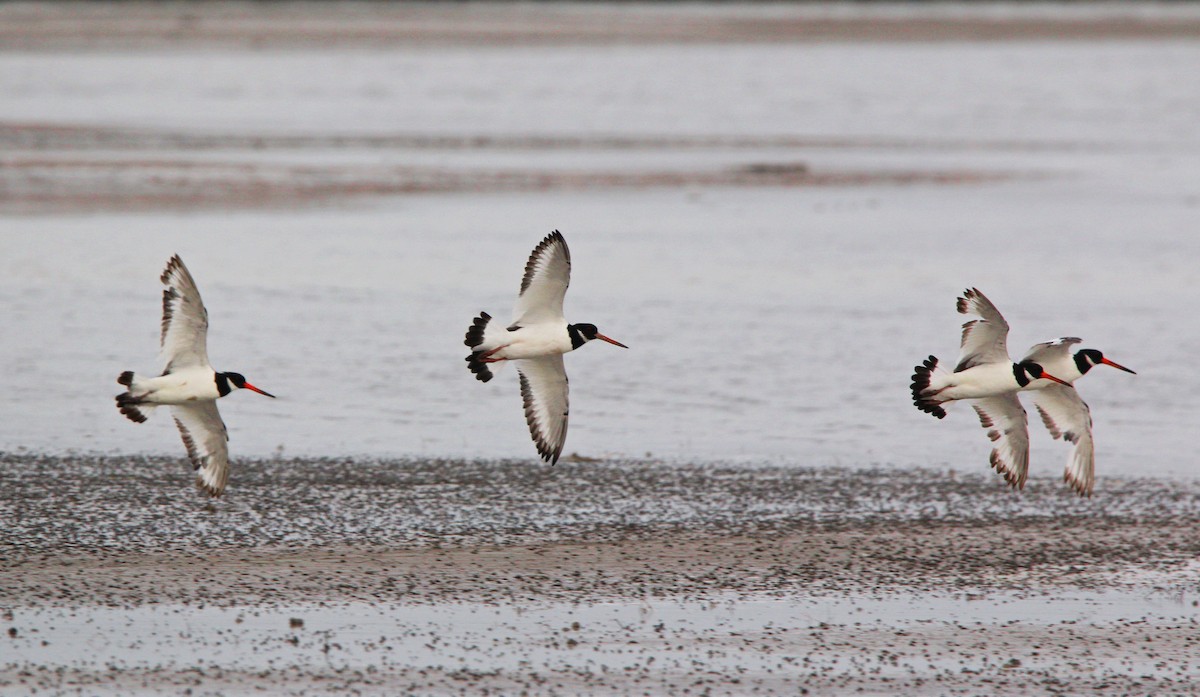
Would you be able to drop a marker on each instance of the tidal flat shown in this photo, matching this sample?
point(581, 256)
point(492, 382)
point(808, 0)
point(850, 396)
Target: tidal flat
point(442, 576)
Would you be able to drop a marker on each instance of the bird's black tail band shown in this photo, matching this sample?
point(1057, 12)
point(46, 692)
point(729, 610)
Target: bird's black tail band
point(922, 374)
point(128, 405)
point(475, 331)
point(474, 338)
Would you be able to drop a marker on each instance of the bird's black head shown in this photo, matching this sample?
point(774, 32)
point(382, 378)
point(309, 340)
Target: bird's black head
point(1086, 358)
point(1027, 371)
point(583, 332)
point(228, 382)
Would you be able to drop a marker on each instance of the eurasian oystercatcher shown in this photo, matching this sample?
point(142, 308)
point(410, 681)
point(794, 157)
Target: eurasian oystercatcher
point(188, 384)
point(537, 338)
point(1063, 411)
point(986, 375)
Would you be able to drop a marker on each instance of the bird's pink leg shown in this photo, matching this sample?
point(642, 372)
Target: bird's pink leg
point(486, 356)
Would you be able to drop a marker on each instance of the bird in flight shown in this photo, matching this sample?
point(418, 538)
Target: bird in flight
point(1063, 411)
point(188, 384)
point(986, 375)
point(536, 340)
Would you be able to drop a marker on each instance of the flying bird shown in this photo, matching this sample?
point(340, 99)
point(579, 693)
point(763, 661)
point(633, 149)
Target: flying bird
point(536, 339)
point(188, 384)
point(1063, 411)
point(986, 375)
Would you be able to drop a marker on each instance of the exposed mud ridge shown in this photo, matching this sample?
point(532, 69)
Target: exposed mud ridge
point(55, 185)
point(112, 530)
point(35, 26)
point(55, 168)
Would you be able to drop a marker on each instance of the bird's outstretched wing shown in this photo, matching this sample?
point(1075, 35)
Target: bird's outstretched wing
point(547, 274)
point(984, 340)
point(1050, 353)
point(207, 443)
point(544, 391)
point(1067, 416)
point(184, 341)
point(1008, 428)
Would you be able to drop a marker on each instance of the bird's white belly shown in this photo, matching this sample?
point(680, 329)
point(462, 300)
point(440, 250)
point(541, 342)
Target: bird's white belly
point(180, 388)
point(533, 342)
point(979, 382)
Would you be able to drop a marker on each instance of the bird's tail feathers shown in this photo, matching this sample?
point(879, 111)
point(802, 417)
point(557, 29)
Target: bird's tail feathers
point(482, 336)
point(475, 332)
point(922, 376)
point(481, 370)
point(132, 407)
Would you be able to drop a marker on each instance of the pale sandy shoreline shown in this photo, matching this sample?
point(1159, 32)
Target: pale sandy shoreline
point(257, 25)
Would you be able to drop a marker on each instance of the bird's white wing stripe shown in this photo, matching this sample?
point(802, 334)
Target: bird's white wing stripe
point(1067, 416)
point(206, 439)
point(984, 340)
point(545, 393)
point(184, 341)
point(544, 285)
point(1008, 428)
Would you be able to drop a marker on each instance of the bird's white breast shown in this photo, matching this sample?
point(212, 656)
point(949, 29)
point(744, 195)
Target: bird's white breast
point(181, 387)
point(986, 380)
point(537, 340)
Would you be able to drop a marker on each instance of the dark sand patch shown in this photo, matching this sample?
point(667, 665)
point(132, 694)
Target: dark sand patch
point(914, 556)
point(121, 531)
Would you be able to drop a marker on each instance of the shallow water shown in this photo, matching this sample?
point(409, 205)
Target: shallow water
point(775, 323)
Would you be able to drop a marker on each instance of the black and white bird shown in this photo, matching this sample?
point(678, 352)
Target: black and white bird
point(188, 384)
point(536, 339)
point(986, 375)
point(1063, 411)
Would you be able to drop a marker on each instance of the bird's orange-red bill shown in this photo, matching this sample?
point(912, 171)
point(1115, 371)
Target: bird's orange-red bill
point(614, 342)
point(1048, 376)
point(1118, 366)
point(262, 392)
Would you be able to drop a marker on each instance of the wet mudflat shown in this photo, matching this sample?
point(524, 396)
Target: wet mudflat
point(319, 575)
